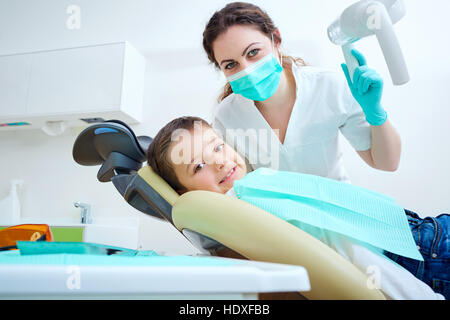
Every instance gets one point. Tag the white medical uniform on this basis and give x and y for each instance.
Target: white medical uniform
(393, 280)
(323, 108)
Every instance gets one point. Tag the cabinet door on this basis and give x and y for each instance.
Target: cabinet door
(77, 80)
(67, 234)
(14, 79)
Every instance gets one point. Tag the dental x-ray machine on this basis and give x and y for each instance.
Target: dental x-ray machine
(368, 17)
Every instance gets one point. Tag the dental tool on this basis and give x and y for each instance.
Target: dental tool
(365, 18)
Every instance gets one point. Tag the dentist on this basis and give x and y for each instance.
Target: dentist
(301, 109)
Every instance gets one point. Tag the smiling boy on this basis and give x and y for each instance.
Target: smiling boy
(191, 156)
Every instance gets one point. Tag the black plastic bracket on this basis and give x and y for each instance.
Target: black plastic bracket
(117, 163)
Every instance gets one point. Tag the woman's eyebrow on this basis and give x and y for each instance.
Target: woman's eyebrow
(243, 53)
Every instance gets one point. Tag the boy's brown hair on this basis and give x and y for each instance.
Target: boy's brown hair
(157, 153)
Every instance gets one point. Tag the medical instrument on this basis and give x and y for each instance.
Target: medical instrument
(365, 18)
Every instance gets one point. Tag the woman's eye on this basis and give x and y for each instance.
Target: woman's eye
(253, 52)
(230, 65)
(198, 167)
(220, 147)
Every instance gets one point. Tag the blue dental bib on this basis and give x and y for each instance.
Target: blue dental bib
(353, 211)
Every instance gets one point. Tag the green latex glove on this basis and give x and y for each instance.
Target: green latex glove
(367, 89)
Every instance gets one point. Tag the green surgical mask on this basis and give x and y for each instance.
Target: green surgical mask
(259, 81)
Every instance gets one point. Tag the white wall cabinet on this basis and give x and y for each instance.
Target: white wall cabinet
(14, 75)
(101, 81)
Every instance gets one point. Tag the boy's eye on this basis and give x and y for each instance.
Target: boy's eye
(220, 147)
(230, 65)
(253, 52)
(198, 167)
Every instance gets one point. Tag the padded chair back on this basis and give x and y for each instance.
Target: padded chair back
(159, 185)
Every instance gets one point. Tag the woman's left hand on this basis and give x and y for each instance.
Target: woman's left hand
(367, 89)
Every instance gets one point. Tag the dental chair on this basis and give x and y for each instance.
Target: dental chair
(216, 223)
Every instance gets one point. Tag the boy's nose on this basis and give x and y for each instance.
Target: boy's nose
(216, 160)
(219, 164)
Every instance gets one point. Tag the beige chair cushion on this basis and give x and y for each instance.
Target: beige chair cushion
(159, 184)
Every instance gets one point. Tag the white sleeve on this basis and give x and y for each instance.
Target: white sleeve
(355, 128)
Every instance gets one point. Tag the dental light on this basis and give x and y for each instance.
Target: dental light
(365, 18)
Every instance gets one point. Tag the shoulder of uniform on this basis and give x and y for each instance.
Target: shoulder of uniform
(310, 71)
(224, 105)
(322, 76)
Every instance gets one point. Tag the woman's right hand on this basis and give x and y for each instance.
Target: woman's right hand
(367, 89)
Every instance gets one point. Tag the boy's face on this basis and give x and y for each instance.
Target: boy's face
(203, 161)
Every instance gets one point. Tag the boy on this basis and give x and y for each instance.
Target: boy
(190, 156)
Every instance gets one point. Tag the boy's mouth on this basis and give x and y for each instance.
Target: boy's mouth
(229, 175)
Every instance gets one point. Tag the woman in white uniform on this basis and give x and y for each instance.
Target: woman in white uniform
(279, 113)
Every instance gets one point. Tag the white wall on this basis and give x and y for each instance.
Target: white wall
(180, 81)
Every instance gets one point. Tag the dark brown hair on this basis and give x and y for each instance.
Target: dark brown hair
(157, 153)
(241, 13)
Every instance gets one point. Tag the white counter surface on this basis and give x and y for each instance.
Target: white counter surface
(239, 280)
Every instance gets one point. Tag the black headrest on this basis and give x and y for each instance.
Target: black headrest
(95, 143)
(114, 145)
